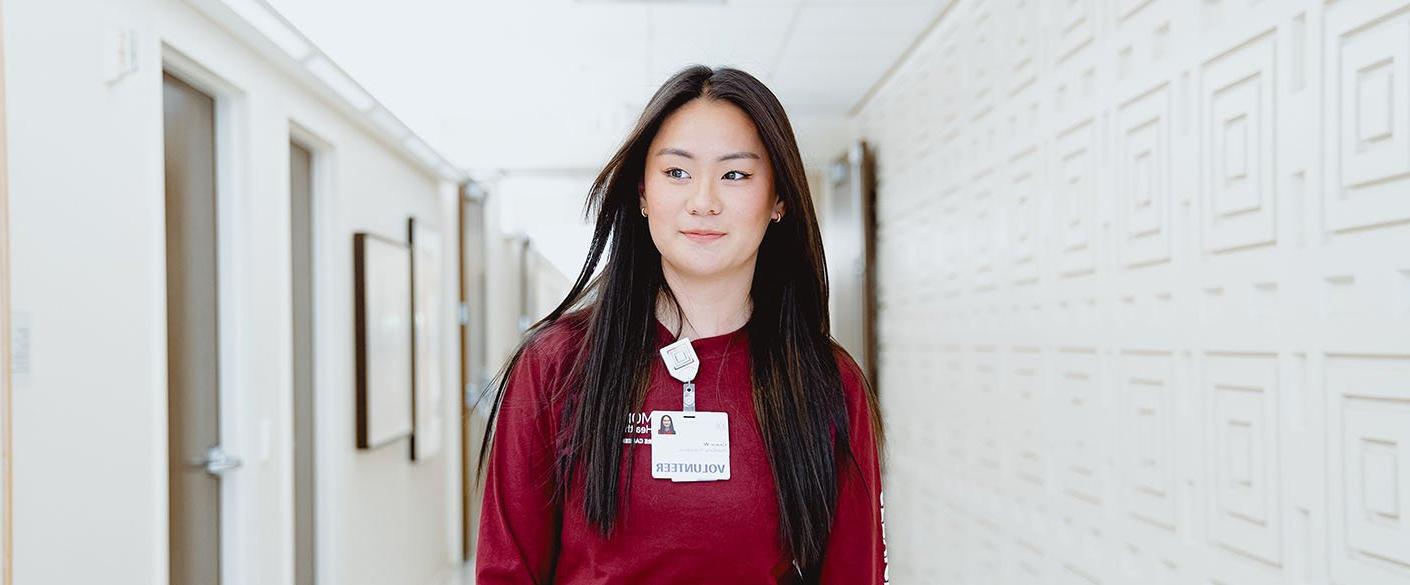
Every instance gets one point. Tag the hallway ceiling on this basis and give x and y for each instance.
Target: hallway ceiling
(553, 85)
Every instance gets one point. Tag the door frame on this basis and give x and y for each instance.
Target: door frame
(232, 242)
(473, 372)
(322, 211)
(462, 308)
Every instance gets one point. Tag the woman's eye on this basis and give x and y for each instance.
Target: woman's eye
(671, 172)
(742, 175)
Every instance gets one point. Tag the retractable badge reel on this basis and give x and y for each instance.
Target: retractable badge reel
(683, 365)
(687, 445)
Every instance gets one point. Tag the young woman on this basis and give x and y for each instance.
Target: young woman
(713, 238)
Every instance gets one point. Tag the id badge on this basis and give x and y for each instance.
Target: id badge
(689, 446)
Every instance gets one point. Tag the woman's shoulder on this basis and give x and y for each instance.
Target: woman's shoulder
(558, 340)
(540, 365)
(854, 380)
(561, 331)
(863, 408)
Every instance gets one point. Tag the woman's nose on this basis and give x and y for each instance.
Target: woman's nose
(704, 200)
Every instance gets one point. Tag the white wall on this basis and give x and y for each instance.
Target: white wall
(87, 204)
(1145, 293)
(548, 207)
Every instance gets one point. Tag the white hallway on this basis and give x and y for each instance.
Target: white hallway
(1142, 270)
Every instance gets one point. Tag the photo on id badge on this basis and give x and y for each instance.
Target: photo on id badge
(689, 446)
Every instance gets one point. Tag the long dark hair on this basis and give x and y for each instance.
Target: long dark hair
(798, 394)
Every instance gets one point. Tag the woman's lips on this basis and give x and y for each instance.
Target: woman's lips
(703, 236)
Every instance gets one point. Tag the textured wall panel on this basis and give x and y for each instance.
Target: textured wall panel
(1144, 301)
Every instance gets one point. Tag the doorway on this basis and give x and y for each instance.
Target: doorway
(196, 462)
(474, 369)
(301, 232)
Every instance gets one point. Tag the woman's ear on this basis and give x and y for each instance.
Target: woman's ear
(641, 193)
(779, 207)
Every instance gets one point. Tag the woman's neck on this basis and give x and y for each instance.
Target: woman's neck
(711, 306)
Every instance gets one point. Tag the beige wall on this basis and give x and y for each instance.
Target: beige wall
(86, 175)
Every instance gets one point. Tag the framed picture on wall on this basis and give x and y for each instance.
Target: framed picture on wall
(427, 316)
(381, 269)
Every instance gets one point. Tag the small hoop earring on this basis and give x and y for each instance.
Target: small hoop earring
(643, 212)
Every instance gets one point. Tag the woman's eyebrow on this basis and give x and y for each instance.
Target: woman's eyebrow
(730, 156)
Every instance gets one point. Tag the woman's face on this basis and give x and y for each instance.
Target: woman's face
(708, 190)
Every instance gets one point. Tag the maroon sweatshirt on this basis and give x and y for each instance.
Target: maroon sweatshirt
(667, 532)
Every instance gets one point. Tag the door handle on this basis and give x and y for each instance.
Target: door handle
(217, 462)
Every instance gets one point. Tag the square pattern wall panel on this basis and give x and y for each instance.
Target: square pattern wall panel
(1081, 444)
(1147, 467)
(1021, 225)
(1142, 164)
(982, 61)
(1127, 8)
(1370, 508)
(1076, 26)
(1030, 453)
(952, 241)
(983, 230)
(1368, 110)
(987, 414)
(1375, 453)
(1238, 174)
(1245, 516)
(1024, 39)
(1075, 170)
(1161, 333)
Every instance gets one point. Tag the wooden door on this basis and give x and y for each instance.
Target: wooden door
(193, 394)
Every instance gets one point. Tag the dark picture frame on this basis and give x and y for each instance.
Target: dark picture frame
(382, 323)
